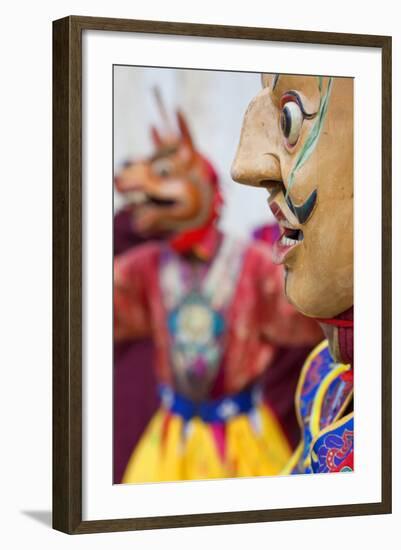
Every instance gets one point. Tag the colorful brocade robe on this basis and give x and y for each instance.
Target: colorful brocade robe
(323, 399)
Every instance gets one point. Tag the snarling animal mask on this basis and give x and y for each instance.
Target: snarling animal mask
(174, 191)
(297, 141)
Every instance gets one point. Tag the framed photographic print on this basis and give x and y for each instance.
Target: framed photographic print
(221, 274)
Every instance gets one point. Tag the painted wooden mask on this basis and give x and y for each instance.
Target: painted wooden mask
(297, 141)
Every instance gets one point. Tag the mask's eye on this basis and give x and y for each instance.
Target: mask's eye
(162, 168)
(291, 120)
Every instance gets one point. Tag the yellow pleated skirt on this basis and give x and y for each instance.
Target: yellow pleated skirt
(170, 449)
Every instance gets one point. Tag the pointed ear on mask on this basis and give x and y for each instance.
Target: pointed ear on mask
(156, 138)
(185, 134)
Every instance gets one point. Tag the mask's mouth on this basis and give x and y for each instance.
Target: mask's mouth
(140, 198)
(291, 237)
(160, 202)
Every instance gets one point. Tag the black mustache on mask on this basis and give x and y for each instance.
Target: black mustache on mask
(303, 211)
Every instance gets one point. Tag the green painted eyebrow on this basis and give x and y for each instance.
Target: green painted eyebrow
(314, 133)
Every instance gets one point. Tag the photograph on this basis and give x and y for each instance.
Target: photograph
(233, 274)
(222, 275)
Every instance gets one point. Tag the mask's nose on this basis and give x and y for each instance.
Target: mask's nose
(132, 178)
(256, 159)
(252, 168)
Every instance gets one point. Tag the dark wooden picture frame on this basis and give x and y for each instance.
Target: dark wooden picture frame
(67, 274)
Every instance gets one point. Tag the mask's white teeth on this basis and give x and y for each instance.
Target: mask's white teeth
(288, 242)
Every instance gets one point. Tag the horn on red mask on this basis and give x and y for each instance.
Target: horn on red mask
(156, 137)
(161, 107)
(185, 134)
(168, 134)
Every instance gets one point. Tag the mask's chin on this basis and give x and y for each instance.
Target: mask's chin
(296, 298)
